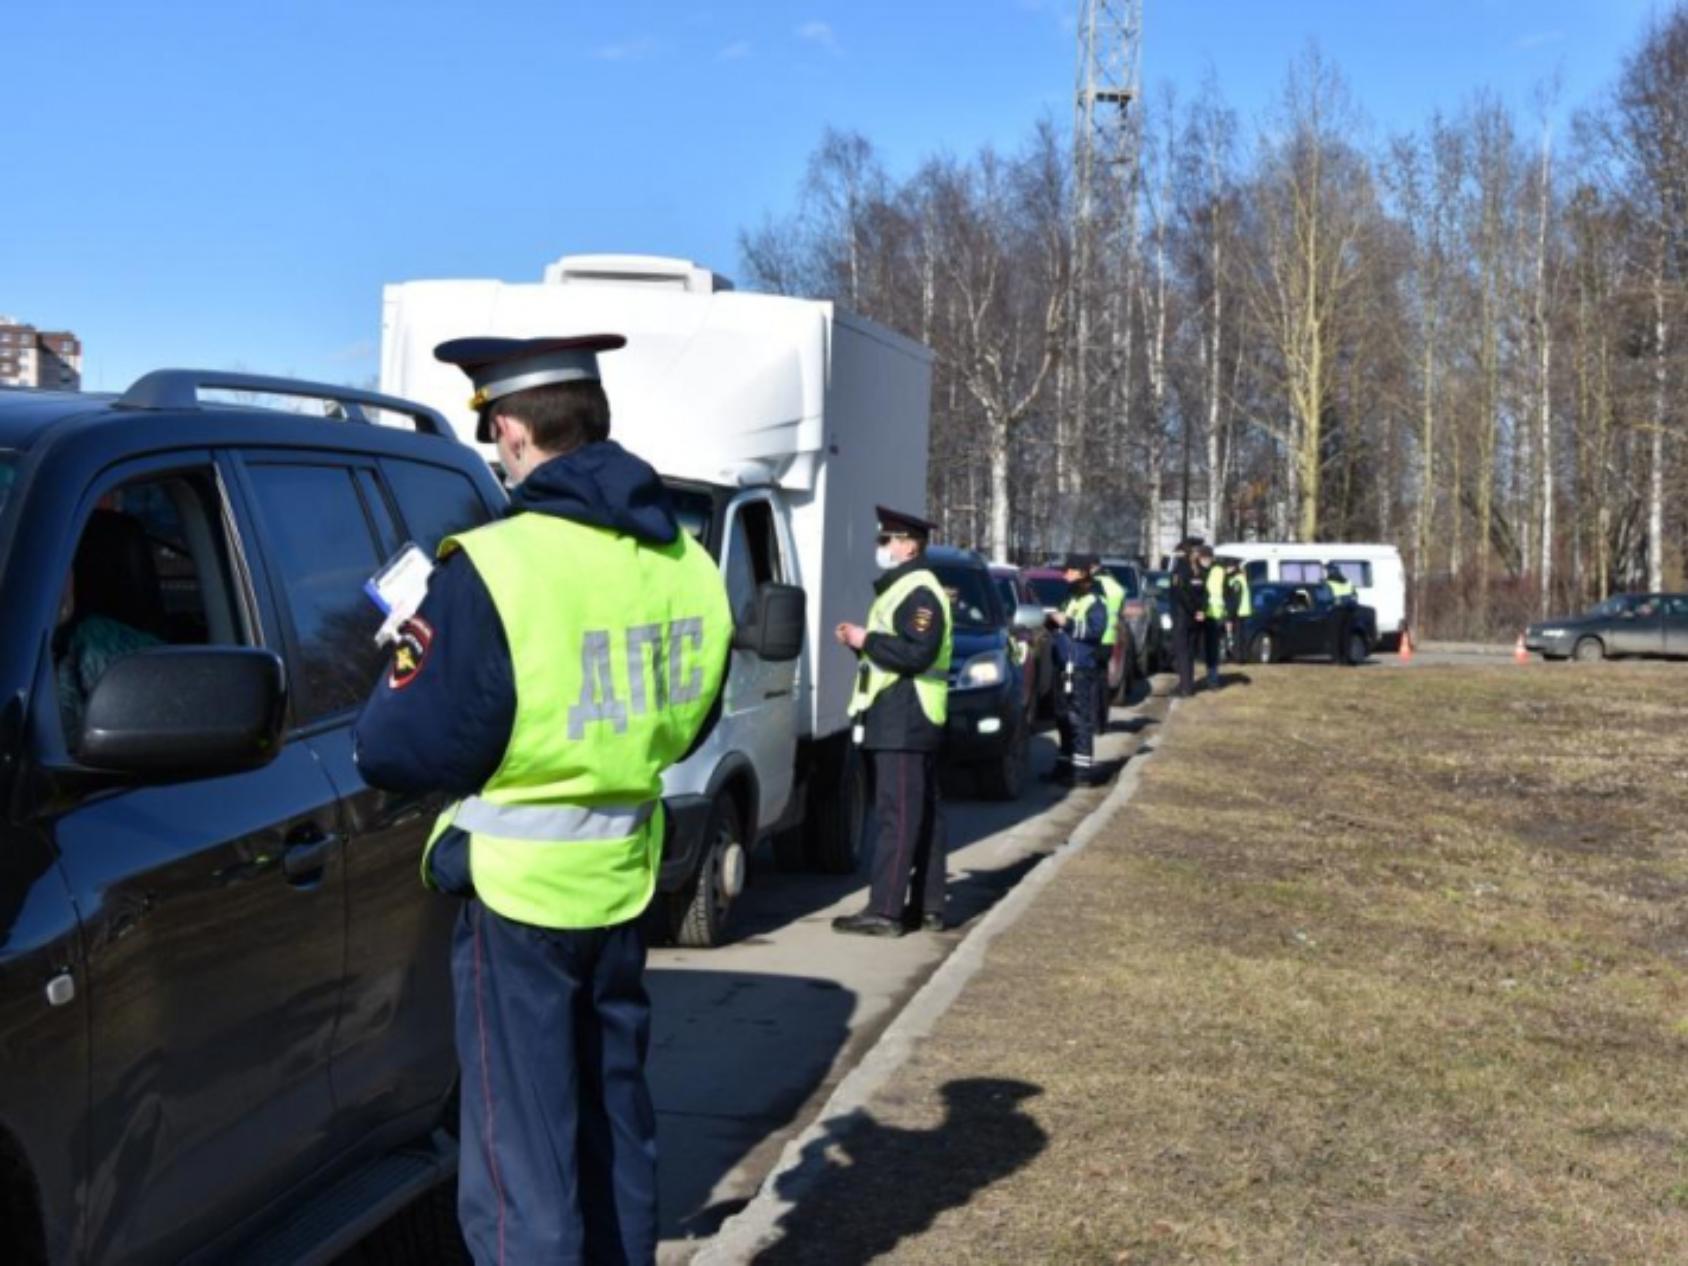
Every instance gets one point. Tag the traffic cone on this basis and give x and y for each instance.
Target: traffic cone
(1519, 654)
(1406, 651)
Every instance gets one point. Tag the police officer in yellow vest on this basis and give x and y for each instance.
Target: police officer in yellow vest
(1081, 626)
(900, 706)
(1239, 606)
(1212, 580)
(564, 656)
(1112, 594)
(1341, 589)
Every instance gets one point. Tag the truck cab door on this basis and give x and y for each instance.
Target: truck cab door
(759, 706)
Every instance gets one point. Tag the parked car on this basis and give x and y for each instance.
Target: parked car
(1139, 614)
(992, 699)
(1050, 586)
(1291, 621)
(1158, 584)
(1037, 646)
(1624, 624)
(225, 1003)
(1375, 571)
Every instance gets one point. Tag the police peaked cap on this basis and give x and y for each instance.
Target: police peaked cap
(1079, 562)
(895, 521)
(501, 367)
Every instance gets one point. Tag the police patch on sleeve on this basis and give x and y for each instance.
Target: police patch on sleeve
(923, 617)
(410, 652)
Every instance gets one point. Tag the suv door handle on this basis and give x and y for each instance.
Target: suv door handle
(305, 856)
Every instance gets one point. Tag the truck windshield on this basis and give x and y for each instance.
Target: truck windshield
(696, 511)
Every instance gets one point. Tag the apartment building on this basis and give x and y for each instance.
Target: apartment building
(39, 358)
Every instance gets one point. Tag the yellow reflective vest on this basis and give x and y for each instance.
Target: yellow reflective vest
(1113, 597)
(931, 686)
(618, 648)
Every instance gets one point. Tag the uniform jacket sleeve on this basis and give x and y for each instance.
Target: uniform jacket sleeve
(446, 725)
(919, 636)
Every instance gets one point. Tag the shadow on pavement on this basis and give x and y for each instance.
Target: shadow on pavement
(868, 1186)
(753, 1048)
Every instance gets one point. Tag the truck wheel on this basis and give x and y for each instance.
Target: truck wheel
(699, 913)
(1261, 649)
(838, 839)
(1005, 777)
(1588, 650)
(1357, 651)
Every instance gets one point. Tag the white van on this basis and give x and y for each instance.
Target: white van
(778, 424)
(1375, 571)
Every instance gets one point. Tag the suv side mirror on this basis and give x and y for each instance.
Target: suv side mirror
(1029, 617)
(774, 631)
(186, 712)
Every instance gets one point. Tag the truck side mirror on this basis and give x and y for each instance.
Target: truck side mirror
(186, 712)
(774, 631)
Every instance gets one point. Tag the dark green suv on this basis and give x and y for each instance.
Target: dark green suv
(225, 1027)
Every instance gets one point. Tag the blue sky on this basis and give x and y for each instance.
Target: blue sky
(231, 182)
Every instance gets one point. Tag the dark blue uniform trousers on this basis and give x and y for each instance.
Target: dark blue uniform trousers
(558, 1131)
(910, 841)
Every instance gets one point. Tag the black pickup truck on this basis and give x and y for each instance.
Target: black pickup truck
(225, 1010)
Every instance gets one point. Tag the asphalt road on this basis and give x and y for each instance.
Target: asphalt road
(750, 1038)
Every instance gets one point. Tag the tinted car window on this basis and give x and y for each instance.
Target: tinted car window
(8, 472)
(318, 542)
(1005, 593)
(972, 605)
(1051, 591)
(435, 502)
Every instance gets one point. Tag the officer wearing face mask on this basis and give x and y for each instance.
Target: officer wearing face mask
(900, 706)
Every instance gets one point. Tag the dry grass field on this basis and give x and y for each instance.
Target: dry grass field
(1378, 966)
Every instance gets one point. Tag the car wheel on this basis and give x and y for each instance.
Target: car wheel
(838, 844)
(1357, 649)
(700, 911)
(1005, 777)
(1589, 650)
(1261, 649)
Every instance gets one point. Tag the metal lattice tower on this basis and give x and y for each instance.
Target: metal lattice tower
(1105, 148)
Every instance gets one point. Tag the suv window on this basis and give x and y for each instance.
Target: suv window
(972, 604)
(151, 569)
(321, 548)
(434, 501)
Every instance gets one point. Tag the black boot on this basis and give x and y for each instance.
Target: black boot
(867, 924)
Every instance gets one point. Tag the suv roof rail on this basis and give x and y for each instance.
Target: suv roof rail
(180, 388)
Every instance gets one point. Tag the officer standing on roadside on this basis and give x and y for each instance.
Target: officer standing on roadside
(1213, 625)
(1239, 606)
(1112, 594)
(564, 656)
(900, 706)
(1189, 603)
(1342, 590)
(1080, 626)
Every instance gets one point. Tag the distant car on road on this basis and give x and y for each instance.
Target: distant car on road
(1624, 624)
(1291, 621)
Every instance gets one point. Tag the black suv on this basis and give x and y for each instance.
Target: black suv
(225, 1007)
(992, 699)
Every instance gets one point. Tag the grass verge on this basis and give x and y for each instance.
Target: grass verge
(1378, 966)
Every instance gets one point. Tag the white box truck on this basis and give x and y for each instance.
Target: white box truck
(778, 424)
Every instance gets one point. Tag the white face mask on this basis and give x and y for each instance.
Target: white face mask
(885, 559)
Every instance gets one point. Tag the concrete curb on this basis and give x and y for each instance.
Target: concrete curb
(756, 1226)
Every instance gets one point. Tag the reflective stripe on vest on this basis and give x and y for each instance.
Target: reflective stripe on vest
(617, 651)
(552, 824)
(930, 686)
(1245, 597)
(1077, 608)
(1113, 597)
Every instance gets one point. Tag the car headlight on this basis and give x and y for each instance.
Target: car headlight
(989, 669)
(1166, 620)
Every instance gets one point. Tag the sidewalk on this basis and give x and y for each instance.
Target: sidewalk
(1294, 1004)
